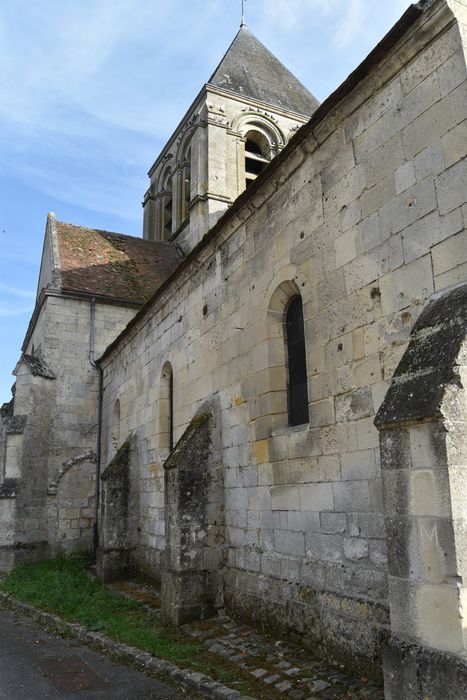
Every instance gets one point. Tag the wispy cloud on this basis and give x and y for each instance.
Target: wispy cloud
(93, 89)
(11, 311)
(352, 23)
(17, 292)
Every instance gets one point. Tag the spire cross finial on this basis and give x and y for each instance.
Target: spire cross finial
(243, 23)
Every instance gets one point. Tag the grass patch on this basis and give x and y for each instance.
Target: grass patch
(64, 587)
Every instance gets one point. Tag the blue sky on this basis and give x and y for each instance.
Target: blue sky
(91, 89)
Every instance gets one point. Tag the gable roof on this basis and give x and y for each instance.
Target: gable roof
(112, 265)
(250, 69)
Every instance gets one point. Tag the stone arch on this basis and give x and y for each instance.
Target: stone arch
(183, 194)
(184, 145)
(260, 141)
(166, 186)
(246, 122)
(272, 373)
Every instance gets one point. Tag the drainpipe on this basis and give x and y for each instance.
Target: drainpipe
(92, 342)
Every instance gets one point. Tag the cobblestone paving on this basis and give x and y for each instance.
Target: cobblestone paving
(284, 667)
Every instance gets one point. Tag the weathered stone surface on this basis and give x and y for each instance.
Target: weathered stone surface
(429, 364)
(114, 552)
(192, 576)
(363, 218)
(414, 673)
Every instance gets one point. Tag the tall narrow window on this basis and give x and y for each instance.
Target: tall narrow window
(166, 409)
(167, 208)
(297, 379)
(186, 186)
(256, 151)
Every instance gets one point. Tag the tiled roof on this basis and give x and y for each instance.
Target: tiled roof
(111, 264)
(249, 68)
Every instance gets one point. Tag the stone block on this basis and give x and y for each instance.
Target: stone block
(333, 523)
(289, 542)
(298, 521)
(321, 412)
(452, 73)
(449, 279)
(455, 144)
(347, 247)
(285, 498)
(427, 232)
(329, 468)
(357, 580)
(358, 465)
(352, 496)
(404, 177)
(369, 525)
(367, 434)
(271, 564)
(354, 405)
(427, 446)
(355, 548)
(295, 471)
(412, 105)
(413, 671)
(430, 60)
(384, 161)
(435, 122)
(406, 208)
(450, 253)
(324, 547)
(378, 553)
(337, 438)
(407, 286)
(377, 196)
(316, 497)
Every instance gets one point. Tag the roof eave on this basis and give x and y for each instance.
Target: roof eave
(408, 19)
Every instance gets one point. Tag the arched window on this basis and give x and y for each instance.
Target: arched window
(297, 384)
(257, 155)
(167, 206)
(186, 186)
(166, 411)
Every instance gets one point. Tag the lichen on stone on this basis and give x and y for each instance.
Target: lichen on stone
(194, 443)
(119, 466)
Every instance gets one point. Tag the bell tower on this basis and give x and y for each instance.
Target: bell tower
(243, 117)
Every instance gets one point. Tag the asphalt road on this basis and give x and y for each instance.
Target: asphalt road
(37, 665)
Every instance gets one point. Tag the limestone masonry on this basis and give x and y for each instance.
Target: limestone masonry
(262, 402)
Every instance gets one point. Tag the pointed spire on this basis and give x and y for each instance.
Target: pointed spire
(243, 22)
(249, 69)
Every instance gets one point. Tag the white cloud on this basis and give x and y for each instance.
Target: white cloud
(352, 23)
(11, 311)
(17, 292)
(90, 91)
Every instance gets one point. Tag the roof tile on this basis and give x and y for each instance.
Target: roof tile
(250, 69)
(112, 264)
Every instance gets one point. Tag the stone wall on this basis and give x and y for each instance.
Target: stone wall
(192, 578)
(55, 504)
(365, 219)
(214, 129)
(423, 424)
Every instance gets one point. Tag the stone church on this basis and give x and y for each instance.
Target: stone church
(262, 401)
